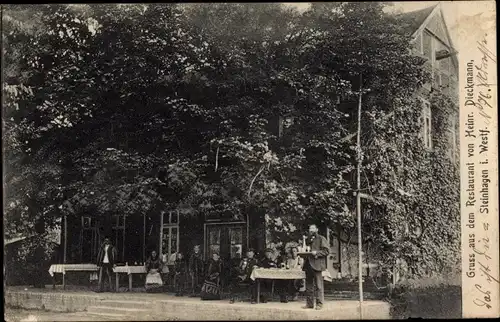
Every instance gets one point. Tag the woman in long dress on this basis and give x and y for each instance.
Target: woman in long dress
(154, 267)
(211, 287)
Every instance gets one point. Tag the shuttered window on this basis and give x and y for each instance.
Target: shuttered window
(452, 131)
(427, 45)
(427, 124)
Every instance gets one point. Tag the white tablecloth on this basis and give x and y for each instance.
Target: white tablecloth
(130, 269)
(63, 268)
(284, 274)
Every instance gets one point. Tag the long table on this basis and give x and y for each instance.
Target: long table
(129, 270)
(273, 274)
(64, 268)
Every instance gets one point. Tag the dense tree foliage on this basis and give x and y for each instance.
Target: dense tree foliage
(236, 108)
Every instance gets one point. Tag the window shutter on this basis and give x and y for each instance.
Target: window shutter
(452, 134)
(273, 125)
(421, 119)
(426, 123)
(281, 120)
(427, 45)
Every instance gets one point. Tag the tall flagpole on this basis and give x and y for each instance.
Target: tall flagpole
(358, 202)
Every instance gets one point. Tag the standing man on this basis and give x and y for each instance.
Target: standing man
(314, 264)
(106, 261)
(196, 269)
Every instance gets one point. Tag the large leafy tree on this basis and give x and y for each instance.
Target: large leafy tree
(270, 73)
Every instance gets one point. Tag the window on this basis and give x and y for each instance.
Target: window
(445, 63)
(427, 45)
(87, 222)
(436, 46)
(439, 68)
(89, 240)
(427, 120)
(169, 237)
(453, 138)
(236, 238)
(214, 241)
(285, 122)
(418, 47)
(442, 64)
(445, 80)
(436, 82)
(226, 239)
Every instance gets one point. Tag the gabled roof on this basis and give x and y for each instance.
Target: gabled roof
(416, 21)
(416, 18)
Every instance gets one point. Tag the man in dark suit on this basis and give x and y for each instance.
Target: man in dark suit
(267, 262)
(241, 274)
(106, 261)
(196, 268)
(314, 264)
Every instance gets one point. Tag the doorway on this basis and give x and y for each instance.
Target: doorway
(227, 239)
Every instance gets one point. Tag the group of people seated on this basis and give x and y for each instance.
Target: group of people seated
(194, 277)
(287, 289)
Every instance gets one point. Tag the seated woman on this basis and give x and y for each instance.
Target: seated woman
(154, 266)
(181, 273)
(211, 287)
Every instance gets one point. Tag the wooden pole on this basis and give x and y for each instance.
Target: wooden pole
(160, 246)
(124, 234)
(358, 202)
(247, 246)
(65, 238)
(144, 239)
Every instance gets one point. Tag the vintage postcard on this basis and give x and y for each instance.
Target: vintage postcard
(250, 161)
